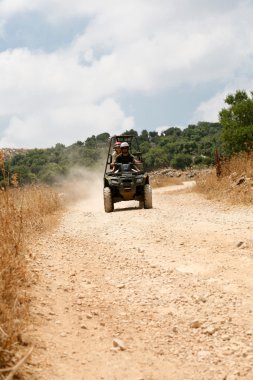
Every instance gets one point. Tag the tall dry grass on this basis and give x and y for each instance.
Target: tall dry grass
(234, 185)
(23, 212)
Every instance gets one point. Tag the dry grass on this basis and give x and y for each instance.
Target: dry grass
(162, 181)
(24, 212)
(235, 185)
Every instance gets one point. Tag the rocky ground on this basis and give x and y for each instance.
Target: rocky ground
(157, 294)
(175, 173)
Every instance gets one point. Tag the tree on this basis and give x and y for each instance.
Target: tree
(180, 148)
(103, 137)
(155, 157)
(144, 136)
(172, 131)
(91, 142)
(59, 146)
(50, 173)
(130, 132)
(237, 122)
(181, 161)
(144, 147)
(153, 134)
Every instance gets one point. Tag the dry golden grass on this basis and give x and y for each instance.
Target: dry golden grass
(24, 212)
(234, 185)
(162, 181)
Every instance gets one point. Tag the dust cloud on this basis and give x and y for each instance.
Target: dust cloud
(84, 186)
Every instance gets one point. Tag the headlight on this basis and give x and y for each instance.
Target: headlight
(114, 181)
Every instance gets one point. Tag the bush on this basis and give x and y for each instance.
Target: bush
(203, 161)
(181, 161)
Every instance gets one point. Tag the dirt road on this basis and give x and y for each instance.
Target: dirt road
(139, 294)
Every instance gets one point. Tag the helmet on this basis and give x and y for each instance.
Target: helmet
(117, 144)
(124, 145)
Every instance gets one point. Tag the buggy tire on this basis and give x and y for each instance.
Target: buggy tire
(147, 196)
(141, 204)
(108, 203)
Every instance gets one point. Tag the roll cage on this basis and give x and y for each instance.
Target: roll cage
(134, 149)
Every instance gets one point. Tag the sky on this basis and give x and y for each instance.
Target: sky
(73, 69)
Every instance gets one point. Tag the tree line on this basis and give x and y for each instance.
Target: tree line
(193, 146)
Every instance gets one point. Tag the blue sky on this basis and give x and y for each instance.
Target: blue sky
(31, 30)
(72, 69)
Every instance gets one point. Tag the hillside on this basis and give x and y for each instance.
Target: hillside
(9, 153)
(179, 149)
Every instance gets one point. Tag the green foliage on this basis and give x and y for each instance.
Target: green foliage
(91, 142)
(103, 138)
(175, 147)
(144, 136)
(155, 157)
(181, 148)
(130, 132)
(181, 161)
(237, 122)
(49, 165)
(173, 131)
(51, 172)
(203, 161)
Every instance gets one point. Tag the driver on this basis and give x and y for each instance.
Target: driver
(125, 157)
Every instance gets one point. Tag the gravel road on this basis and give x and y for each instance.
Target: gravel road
(138, 294)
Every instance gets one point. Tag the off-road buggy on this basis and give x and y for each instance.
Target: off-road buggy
(127, 181)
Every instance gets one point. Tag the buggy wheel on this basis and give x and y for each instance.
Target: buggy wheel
(108, 203)
(147, 196)
(141, 204)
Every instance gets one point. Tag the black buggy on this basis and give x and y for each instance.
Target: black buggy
(128, 181)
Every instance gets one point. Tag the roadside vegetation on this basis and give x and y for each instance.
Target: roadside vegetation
(234, 185)
(193, 146)
(233, 178)
(25, 211)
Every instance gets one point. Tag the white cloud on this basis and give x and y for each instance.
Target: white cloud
(65, 125)
(209, 110)
(51, 98)
(138, 46)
